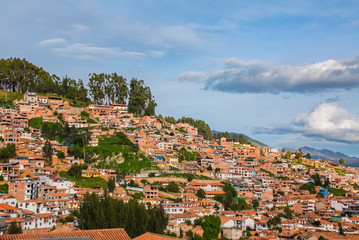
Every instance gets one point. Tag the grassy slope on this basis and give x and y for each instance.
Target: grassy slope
(11, 96)
(113, 145)
(35, 122)
(93, 182)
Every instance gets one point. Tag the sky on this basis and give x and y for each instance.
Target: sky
(283, 72)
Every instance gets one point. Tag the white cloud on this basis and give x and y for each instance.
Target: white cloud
(330, 121)
(259, 77)
(86, 51)
(53, 41)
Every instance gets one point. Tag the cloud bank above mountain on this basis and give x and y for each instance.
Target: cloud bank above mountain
(240, 76)
(328, 121)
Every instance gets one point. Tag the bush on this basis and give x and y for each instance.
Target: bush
(4, 188)
(172, 187)
(14, 228)
(60, 154)
(84, 113)
(35, 122)
(8, 152)
(75, 170)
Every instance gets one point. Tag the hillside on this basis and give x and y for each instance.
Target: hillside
(248, 139)
(6, 98)
(328, 155)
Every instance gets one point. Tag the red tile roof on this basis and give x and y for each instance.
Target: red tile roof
(99, 234)
(154, 236)
(7, 206)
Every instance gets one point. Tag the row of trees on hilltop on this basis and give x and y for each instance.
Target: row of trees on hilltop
(107, 212)
(235, 137)
(19, 75)
(202, 126)
(108, 88)
(112, 88)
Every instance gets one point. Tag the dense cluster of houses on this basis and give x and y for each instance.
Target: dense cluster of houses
(38, 198)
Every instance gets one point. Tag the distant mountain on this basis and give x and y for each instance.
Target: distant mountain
(329, 155)
(248, 139)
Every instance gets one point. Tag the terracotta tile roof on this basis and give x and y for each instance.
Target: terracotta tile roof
(13, 220)
(154, 236)
(214, 192)
(43, 215)
(7, 196)
(7, 206)
(60, 194)
(100, 234)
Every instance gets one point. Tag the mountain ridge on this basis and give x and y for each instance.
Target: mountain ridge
(328, 155)
(248, 139)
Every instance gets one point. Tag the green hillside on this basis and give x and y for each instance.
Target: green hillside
(7, 98)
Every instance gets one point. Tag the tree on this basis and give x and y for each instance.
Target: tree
(321, 238)
(100, 212)
(120, 89)
(307, 156)
(255, 203)
(47, 152)
(240, 204)
(144, 181)
(342, 161)
(261, 152)
(287, 155)
(326, 183)
(288, 213)
(75, 170)
(320, 195)
(60, 154)
(8, 152)
(111, 185)
(211, 227)
(201, 193)
(172, 187)
(274, 222)
(217, 170)
(190, 178)
(298, 154)
(317, 180)
(209, 168)
(203, 127)
(140, 100)
(341, 230)
(14, 228)
(97, 87)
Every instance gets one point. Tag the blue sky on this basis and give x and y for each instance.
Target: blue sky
(283, 72)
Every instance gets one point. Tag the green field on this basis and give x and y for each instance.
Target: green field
(35, 122)
(337, 191)
(119, 144)
(92, 182)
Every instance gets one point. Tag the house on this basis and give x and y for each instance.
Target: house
(98, 234)
(154, 236)
(150, 191)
